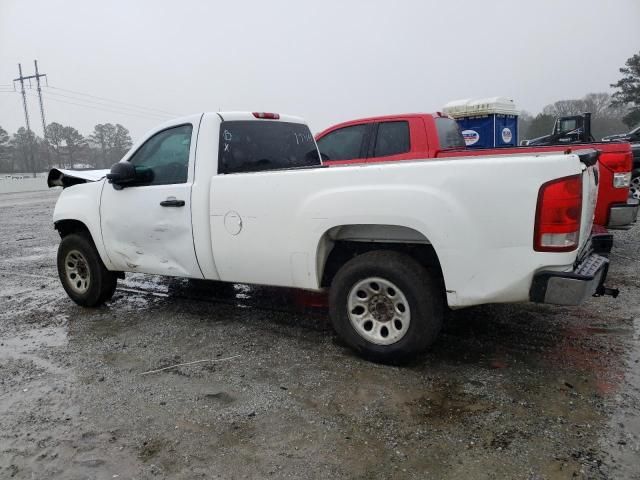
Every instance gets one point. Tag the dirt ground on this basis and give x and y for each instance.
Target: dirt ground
(509, 391)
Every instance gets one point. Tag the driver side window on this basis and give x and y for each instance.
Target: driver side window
(164, 158)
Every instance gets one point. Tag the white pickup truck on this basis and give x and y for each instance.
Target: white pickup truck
(243, 198)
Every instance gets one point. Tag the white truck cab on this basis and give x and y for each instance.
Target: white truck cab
(243, 197)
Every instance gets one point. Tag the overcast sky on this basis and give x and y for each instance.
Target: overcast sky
(328, 61)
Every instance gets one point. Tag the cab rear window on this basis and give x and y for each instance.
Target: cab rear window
(449, 134)
(255, 146)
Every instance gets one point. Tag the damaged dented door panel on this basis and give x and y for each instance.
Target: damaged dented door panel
(146, 226)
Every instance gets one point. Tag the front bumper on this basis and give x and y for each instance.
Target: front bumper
(571, 288)
(623, 215)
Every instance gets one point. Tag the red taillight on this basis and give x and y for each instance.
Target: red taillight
(620, 165)
(617, 162)
(558, 213)
(267, 115)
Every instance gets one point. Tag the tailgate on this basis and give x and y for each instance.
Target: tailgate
(590, 178)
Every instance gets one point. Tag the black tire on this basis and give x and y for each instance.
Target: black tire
(635, 184)
(101, 284)
(423, 294)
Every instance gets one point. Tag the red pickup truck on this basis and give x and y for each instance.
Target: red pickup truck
(434, 135)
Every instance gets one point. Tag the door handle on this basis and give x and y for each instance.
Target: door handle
(172, 202)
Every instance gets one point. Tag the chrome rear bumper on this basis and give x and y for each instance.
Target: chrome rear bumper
(623, 215)
(572, 288)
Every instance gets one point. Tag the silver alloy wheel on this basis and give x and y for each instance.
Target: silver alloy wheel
(634, 189)
(76, 269)
(378, 311)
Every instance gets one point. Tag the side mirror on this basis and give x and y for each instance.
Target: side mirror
(122, 174)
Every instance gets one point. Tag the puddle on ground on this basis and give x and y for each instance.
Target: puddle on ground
(28, 344)
(53, 336)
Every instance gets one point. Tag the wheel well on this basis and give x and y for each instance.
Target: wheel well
(343, 251)
(66, 227)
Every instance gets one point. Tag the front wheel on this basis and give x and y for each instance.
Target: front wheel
(82, 273)
(386, 306)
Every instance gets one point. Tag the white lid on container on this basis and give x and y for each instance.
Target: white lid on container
(456, 107)
(482, 106)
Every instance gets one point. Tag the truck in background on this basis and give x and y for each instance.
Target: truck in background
(435, 135)
(633, 137)
(635, 174)
(566, 130)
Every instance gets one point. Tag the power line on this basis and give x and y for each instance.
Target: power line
(113, 101)
(100, 104)
(108, 108)
(94, 107)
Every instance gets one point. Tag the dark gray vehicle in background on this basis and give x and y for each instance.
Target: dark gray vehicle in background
(632, 136)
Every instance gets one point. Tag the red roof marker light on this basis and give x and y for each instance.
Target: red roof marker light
(267, 115)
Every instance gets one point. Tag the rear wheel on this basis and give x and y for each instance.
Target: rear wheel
(82, 273)
(386, 306)
(634, 188)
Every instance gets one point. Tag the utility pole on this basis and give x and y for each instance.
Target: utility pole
(44, 123)
(37, 75)
(21, 79)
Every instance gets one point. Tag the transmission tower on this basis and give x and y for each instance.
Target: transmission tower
(37, 75)
(21, 79)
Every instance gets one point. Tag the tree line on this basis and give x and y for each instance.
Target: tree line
(62, 147)
(65, 147)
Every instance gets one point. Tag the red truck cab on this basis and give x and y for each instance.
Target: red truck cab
(421, 136)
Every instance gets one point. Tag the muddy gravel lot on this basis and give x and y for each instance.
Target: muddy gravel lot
(508, 391)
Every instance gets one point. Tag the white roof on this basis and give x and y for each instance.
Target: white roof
(482, 106)
(230, 116)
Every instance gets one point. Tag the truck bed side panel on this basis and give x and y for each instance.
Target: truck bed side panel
(607, 194)
(479, 217)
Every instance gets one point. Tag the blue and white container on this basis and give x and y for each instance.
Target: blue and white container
(486, 122)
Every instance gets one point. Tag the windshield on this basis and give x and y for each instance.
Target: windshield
(254, 146)
(567, 125)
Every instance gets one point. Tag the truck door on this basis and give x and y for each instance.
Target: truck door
(391, 141)
(146, 227)
(346, 144)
